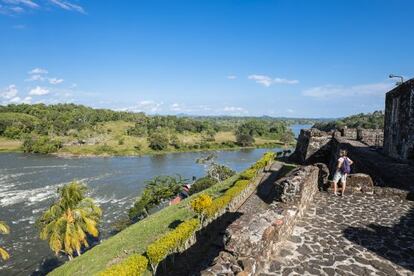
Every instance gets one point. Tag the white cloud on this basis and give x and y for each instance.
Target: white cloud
(231, 77)
(66, 5)
(261, 79)
(268, 81)
(55, 81)
(328, 91)
(289, 110)
(35, 78)
(235, 110)
(39, 91)
(146, 106)
(175, 107)
(9, 93)
(38, 71)
(27, 3)
(285, 81)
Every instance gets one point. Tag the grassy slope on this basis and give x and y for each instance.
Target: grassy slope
(133, 239)
(9, 145)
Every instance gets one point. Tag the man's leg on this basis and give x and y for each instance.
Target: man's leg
(335, 183)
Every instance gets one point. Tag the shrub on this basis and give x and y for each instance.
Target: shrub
(171, 242)
(217, 205)
(248, 174)
(105, 148)
(156, 191)
(134, 265)
(42, 144)
(244, 139)
(158, 141)
(202, 184)
(13, 132)
(200, 204)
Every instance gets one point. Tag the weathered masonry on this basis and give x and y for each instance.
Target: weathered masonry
(399, 122)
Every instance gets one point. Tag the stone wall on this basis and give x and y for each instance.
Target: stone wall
(248, 242)
(350, 133)
(371, 137)
(399, 122)
(312, 146)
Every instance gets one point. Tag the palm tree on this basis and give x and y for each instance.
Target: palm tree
(4, 229)
(70, 220)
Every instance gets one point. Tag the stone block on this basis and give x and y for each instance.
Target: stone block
(357, 183)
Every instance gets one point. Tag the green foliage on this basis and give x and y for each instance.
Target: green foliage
(15, 125)
(260, 128)
(68, 221)
(373, 120)
(156, 190)
(41, 144)
(158, 141)
(171, 242)
(248, 174)
(202, 184)
(134, 265)
(214, 170)
(175, 142)
(244, 139)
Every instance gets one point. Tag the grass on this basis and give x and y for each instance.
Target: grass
(9, 145)
(135, 238)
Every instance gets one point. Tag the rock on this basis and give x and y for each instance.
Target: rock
(323, 182)
(313, 146)
(248, 265)
(360, 183)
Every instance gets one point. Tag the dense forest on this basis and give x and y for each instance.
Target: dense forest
(373, 120)
(79, 129)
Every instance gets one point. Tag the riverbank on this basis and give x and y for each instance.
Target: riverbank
(85, 151)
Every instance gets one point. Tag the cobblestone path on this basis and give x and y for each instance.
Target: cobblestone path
(353, 235)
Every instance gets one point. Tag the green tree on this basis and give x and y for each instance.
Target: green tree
(157, 190)
(158, 141)
(244, 139)
(70, 220)
(4, 229)
(214, 170)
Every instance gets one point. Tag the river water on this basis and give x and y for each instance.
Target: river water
(28, 185)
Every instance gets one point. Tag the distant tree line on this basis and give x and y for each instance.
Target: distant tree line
(40, 126)
(374, 120)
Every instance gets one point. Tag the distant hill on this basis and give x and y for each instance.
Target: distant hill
(374, 120)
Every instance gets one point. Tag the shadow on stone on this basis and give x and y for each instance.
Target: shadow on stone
(210, 241)
(393, 243)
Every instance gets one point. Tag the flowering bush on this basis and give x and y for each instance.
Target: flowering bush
(171, 242)
(200, 204)
(134, 265)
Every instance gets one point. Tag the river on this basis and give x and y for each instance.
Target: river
(28, 185)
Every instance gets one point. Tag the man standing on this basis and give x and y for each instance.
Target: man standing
(343, 168)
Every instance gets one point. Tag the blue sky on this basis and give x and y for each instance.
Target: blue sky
(217, 57)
